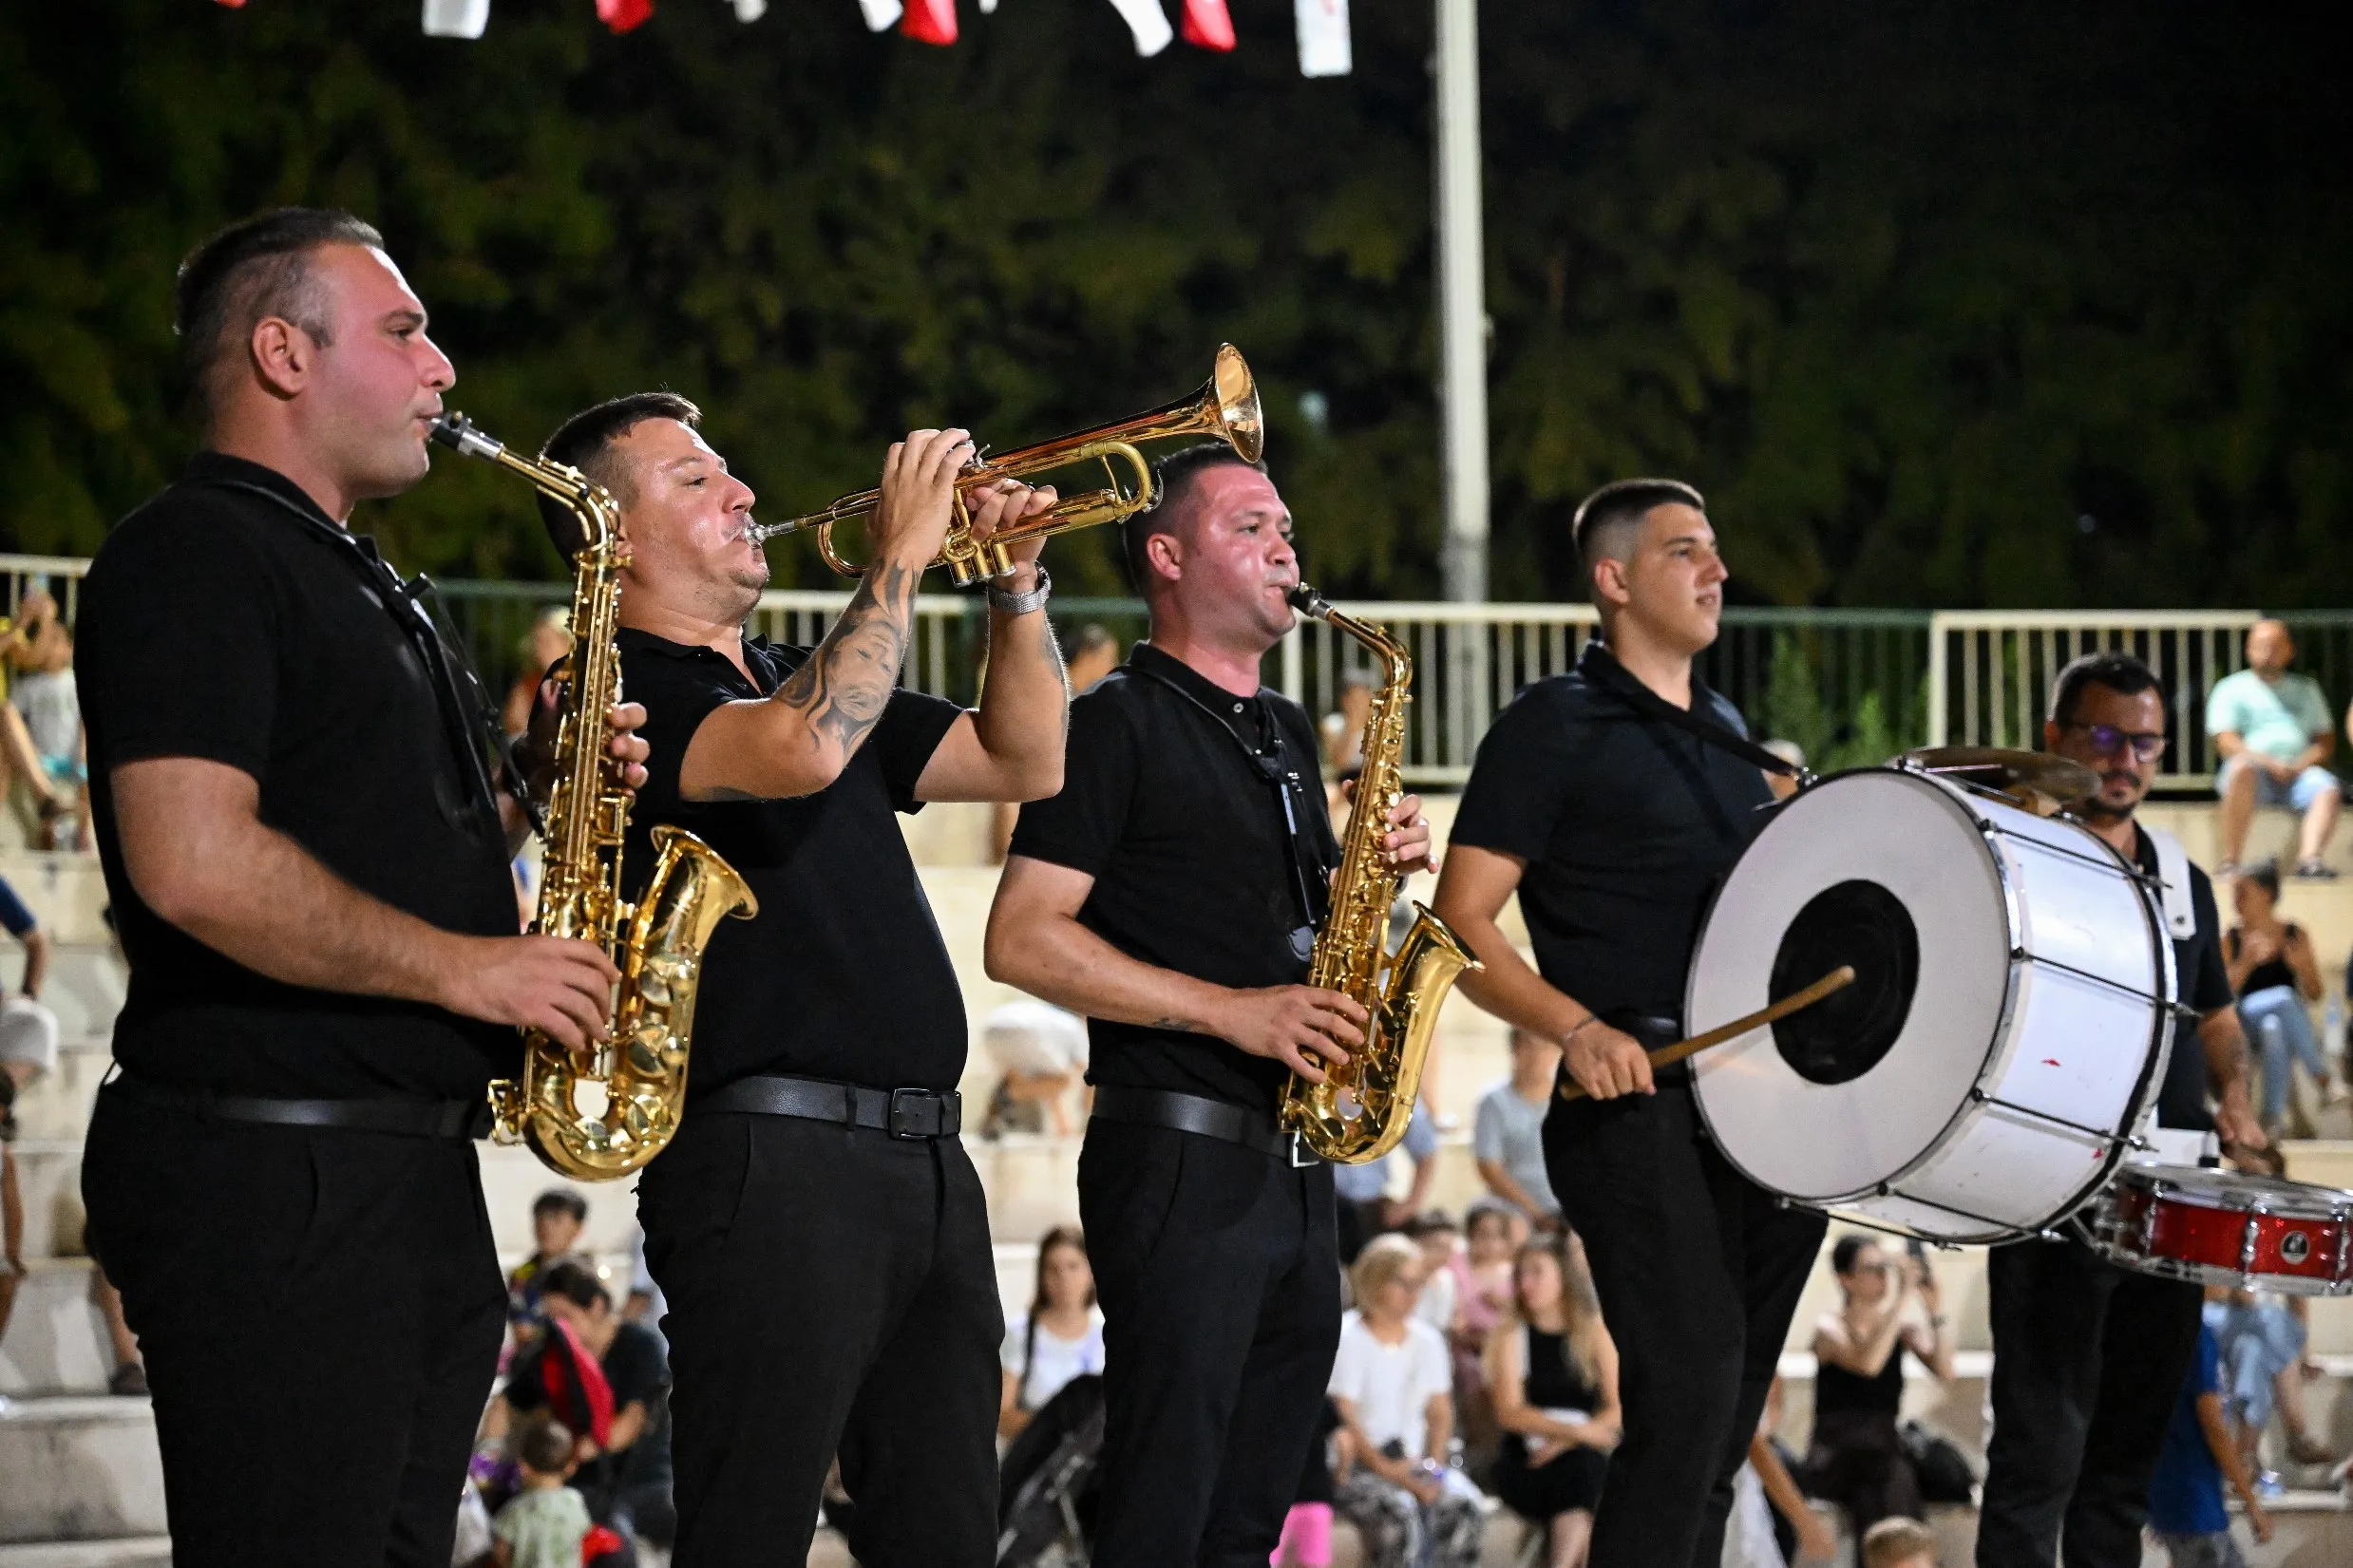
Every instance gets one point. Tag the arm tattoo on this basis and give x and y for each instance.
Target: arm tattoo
(847, 683)
(1178, 1026)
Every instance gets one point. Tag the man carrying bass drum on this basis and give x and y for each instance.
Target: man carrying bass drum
(1612, 798)
(2089, 1357)
(1170, 894)
(816, 1226)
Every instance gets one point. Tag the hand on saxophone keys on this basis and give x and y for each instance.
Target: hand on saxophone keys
(624, 747)
(559, 985)
(1409, 838)
(1294, 1024)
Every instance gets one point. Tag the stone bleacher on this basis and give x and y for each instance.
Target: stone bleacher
(80, 1486)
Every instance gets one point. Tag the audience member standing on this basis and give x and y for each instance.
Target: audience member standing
(2273, 731)
(1554, 1374)
(1393, 1390)
(1857, 1458)
(2275, 971)
(1507, 1135)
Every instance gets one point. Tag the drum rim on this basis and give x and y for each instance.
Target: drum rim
(1962, 798)
(2098, 1231)
(2168, 1183)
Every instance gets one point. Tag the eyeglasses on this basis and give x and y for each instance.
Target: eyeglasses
(2107, 740)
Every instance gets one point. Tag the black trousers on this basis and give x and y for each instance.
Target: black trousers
(1220, 1285)
(320, 1312)
(2089, 1360)
(1697, 1269)
(832, 1292)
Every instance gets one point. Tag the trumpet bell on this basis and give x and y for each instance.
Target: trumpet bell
(1235, 392)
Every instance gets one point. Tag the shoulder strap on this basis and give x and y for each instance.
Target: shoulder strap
(1652, 705)
(2181, 914)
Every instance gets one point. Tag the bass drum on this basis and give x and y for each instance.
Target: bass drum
(2007, 1028)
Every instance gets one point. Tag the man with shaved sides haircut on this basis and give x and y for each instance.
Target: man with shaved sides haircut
(816, 1226)
(1170, 894)
(1611, 800)
(305, 832)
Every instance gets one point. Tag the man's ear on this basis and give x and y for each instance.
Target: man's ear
(1609, 582)
(282, 356)
(1166, 556)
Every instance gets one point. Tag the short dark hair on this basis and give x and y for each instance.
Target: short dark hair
(1092, 636)
(1173, 478)
(561, 1201)
(1848, 1248)
(1607, 517)
(585, 442)
(544, 1446)
(576, 1281)
(2265, 874)
(251, 270)
(2119, 672)
(1432, 1223)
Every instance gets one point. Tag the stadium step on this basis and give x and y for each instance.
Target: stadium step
(57, 1108)
(125, 1551)
(79, 1470)
(56, 1340)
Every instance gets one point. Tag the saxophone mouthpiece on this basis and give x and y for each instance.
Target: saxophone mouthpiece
(1308, 602)
(455, 431)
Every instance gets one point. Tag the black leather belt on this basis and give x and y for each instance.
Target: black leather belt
(1203, 1116)
(459, 1120)
(902, 1113)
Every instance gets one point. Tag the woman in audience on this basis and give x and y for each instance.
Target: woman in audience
(1554, 1376)
(1394, 1390)
(1857, 1460)
(1483, 1275)
(2275, 972)
(1059, 1338)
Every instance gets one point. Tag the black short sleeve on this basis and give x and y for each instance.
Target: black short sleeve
(1081, 826)
(669, 728)
(1519, 781)
(176, 652)
(2211, 990)
(635, 1366)
(913, 726)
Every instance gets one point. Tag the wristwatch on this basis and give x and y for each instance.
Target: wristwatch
(1021, 604)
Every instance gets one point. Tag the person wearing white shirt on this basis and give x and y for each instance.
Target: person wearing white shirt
(1059, 1339)
(1393, 1385)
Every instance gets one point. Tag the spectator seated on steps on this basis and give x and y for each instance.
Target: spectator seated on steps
(2274, 733)
(1554, 1372)
(42, 693)
(2275, 972)
(1506, 1133)
(1898, 1544)
(1059, 1339)
(1041, 1050)
(1888, 1306)
(545, 1523)
(557, 1218)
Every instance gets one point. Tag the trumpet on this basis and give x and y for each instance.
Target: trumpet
(1227, 407)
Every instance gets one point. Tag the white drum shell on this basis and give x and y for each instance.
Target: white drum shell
(2037, 1036)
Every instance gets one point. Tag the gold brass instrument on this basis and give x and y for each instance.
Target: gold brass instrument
(1226, 407)
(658, 943)
(1359, 1111)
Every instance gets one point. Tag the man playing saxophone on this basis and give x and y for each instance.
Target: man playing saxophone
(819, 1233)
(1170, 894)
(308, 865)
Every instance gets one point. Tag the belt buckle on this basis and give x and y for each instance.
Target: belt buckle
(908, 1118)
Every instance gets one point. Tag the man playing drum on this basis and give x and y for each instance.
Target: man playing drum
(2088, 1357)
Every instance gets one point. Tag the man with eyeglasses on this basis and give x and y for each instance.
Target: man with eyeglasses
(2088, 1357)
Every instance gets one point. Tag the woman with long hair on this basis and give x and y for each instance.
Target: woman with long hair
(1553, 1373)
(2276, 975)
(1060, 1337)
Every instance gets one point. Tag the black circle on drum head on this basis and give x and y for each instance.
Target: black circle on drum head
(1844, 1036)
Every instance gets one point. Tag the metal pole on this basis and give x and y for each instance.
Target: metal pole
(1462, 300)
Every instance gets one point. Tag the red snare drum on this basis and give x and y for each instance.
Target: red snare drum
(2218, 1227)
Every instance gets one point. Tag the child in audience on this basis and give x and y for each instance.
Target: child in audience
(543, 1525)
(2185, 1496)
(1899, 1543)
(1440, 1240)
(557, 1218)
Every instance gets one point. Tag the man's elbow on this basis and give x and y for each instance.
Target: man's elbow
(1039, 778)
(177, 890)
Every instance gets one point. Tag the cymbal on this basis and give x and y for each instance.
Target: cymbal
(2009, 772)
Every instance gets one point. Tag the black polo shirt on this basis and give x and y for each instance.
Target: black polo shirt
(2202, 981)
(1626, 825)
(842, 975)
(1186, 839)
(218, 624)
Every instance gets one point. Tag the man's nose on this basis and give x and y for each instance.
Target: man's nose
(742, 497)
(440, 375)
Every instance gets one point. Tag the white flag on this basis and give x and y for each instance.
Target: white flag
(1148, 22)
(881, 16)
(1323, 37)
(750, 11)
(456, 18)
(988, 8)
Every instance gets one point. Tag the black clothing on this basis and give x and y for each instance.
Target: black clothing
(2089, 1360)
(1571, 1479)
(1836, 1389)
(637, 1370)
(2264, 977)
(842, 975)
(2202, 982)
(321, 1304)
(1315, 1479)
(215, 624)
(1625, 822)
(1698, 1271)
(831, 1290)
(1221, 1317)
(902, 1113)
(1192, 864)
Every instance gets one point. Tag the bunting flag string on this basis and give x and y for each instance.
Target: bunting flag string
(1324, 48)
(930, 21)
(1208, 24)
(456, 18)
(623, 15)
(881, 16)
(1148, 22)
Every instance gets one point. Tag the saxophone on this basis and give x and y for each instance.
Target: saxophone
(1359, 1111)
(639, 1071)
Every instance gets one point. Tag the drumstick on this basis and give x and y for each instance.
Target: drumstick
(1838, 979)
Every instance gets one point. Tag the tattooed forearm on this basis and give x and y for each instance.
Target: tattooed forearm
(847, 682)
(1177, 1026)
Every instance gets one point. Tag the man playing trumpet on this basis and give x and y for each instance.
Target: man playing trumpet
(819, 1233)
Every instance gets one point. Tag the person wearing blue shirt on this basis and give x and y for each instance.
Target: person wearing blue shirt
(2185, 1496)
(1365, 1210)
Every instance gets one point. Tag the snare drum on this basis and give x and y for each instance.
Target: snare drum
(2008, 1025)
(2215, 1227)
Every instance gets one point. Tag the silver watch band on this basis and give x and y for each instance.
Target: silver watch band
(1021, 604)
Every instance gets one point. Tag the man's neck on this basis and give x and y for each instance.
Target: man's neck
(598, 1336)
(1667, 670)
(2121, 832)
(282, 450)
(1535, 1083)
(1228, 667)
(685, 624)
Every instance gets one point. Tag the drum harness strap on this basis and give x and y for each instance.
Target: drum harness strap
(2173, 872)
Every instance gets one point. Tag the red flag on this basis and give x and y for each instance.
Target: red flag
(930, 21)
(1207, 26)
(234, 5)
(621, 15)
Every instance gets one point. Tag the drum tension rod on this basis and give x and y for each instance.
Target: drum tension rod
(2019, 956)
(2094, 1134)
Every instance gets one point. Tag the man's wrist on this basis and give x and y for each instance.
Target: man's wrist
(1009, 596)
